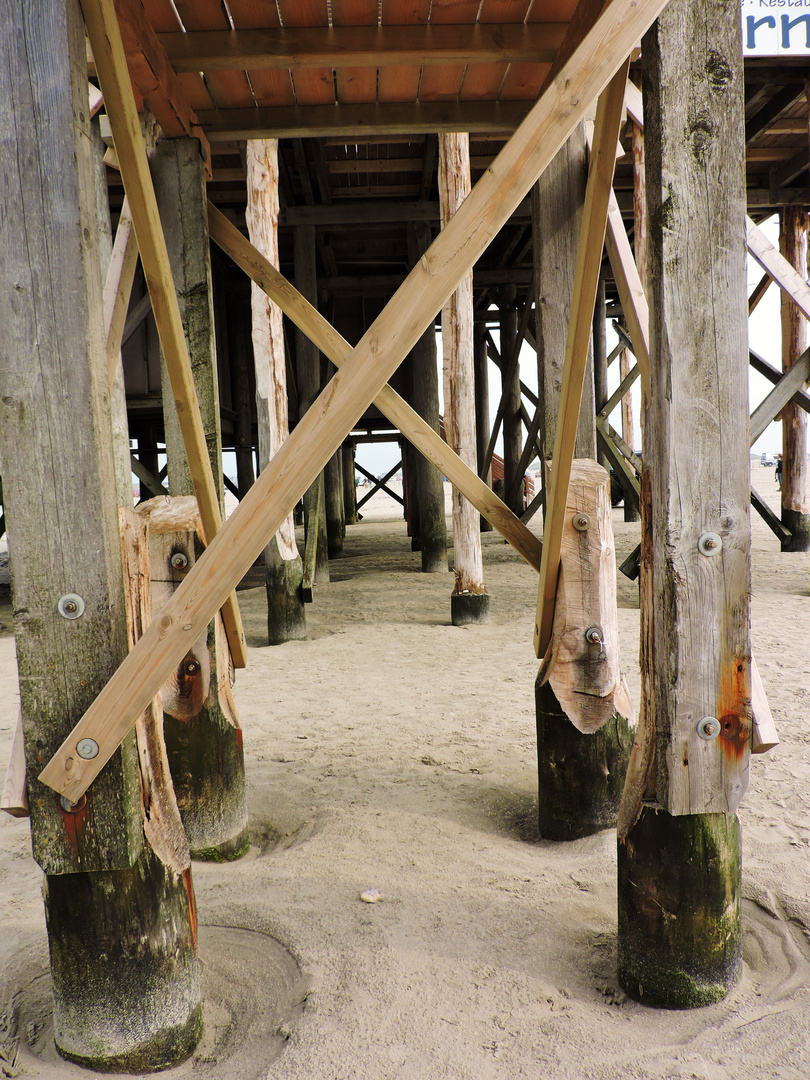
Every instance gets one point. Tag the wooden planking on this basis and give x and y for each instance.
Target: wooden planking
(14, 799)
(102, 29)
(589, 259)
(589, 62)
(227, 88)
(355, 83)
(270, 87)
(630, 289)
(401, 83)
(165, 20)
(390, 404)
(313, 85)
(765, 736)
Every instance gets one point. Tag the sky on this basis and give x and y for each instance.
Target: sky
(764, 333)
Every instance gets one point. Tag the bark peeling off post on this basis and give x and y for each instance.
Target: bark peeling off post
(284, 570)
(470, 600)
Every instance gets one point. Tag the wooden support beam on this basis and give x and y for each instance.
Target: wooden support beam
(619, 392)
(379, 484)
(118, 288)
(589, 259)
(313, 528)
(609, 441)
(108, 51)
(390, 404)
(349, 119)
(781, 101)
(780, 531)
(153, 75)
(587, 61)
(773, 375)
(760, 289)
(293, 48)
(791, 282)
(794, 379)
(147, 477)
(136, 317)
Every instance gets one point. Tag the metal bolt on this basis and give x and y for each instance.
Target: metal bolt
(710, 543)
(191, 668)
(581, 522)
(593, 635)
(73, 807)
(70, 606)
(87, 748)
(708, 728)
(179, 560)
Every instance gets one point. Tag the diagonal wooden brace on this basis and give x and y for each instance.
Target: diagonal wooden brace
(594, 49)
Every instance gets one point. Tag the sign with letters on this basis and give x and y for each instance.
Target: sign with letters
(776, 27)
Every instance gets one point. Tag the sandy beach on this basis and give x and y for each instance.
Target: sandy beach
(393, 751)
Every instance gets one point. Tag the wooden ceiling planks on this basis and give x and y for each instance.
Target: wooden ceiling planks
(401, 82)
(355, 84)
(164, 19)
(228, 89)
(269, 87)
(313, 86)
(523, 82)
(482, 82)
(444, 83)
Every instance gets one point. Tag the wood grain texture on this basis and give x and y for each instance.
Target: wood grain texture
(698, 661)
(578, 343)
(55, 430)
(14, 799)
(105, 38)
(382, 348)
(774, 263)
(161, 818)
(331, 344)
(585, 676)
(765, 736)
(793, 248)
(459, 371)
(118, 288)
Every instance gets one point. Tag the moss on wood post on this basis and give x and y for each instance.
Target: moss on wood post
(121, 924)
(284, 568)
(795, 509)
(679, 837)
(432, 527)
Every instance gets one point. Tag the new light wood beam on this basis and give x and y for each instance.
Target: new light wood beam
(292, 48)
(589, 58)
(337, 349)
(118, 287)
(778, 267)
(108, 51)
(152, 72)
(589, 259)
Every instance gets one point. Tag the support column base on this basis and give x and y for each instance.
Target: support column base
(580, 777)
(286, 611)
(799, 525)
(126, 986)
(468, 608)
(680, 936)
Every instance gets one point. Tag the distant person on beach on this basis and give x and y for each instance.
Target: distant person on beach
(777, 474)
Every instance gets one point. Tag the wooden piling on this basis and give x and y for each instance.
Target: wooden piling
(482, 431)
(284, 569)
(679, 839)
(795, 514)
(121, 924)
(512, 424)
(469, 602)
(425, 401)
(349, 485)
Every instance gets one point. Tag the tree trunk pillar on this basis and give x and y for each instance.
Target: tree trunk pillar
(425, 401)
(121, 924)
(679, 837)
(795, 509)
(284, 568)
(469, 602)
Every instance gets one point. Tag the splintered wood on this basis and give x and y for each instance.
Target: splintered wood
(161, 817)
(582, 661)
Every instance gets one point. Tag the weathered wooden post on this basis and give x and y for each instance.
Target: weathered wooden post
(469, 601)
(512, 425)
(349, 485)
(679, 836)
(481, 361)
(795, 509)
(240, 355)
(335, 513)
(308, 368)
(631, 513)
(425, 400)
(121, 923)
(557, 200)
(600, 379)
(284, 569)
(596, 762)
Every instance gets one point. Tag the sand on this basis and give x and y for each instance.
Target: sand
(392, 751)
